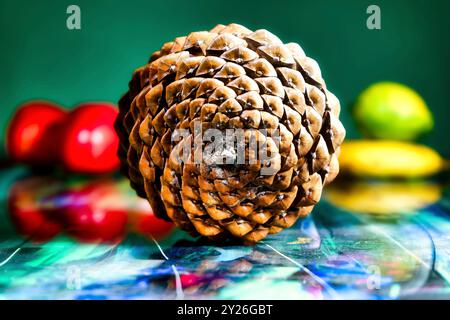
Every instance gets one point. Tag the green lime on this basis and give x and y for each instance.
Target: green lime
(388, 110)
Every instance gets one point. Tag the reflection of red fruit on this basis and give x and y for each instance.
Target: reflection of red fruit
(83, 216)
(34, 224)
(144, 221)
(89, 224)
(90, 141)
(30, 220)
(190, 279)
(29, 138)
(148, 224)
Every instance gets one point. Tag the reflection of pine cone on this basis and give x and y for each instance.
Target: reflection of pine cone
(230, 77)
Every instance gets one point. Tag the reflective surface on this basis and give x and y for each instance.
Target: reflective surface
(94, 239)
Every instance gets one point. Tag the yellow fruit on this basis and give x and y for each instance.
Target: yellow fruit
(388, 110)
(384, 159)
(384, 198)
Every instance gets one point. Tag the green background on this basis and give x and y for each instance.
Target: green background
(41, 58)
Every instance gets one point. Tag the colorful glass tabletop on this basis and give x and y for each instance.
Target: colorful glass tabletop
(365, 240)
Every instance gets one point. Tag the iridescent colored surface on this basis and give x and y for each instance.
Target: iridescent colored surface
(337, 254)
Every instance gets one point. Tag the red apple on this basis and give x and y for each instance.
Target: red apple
(29, 138)
(89, 140)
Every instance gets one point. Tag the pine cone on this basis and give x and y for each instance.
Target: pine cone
(230, 78)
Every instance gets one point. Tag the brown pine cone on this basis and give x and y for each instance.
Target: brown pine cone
(230, 78)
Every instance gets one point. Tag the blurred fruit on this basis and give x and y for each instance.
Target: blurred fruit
(191, 279)
(28, 217)
(100, 210)
(388, 110)
(149, 225)
(90, 142)
(29, 137)
(34, 224)
(141, 218)
(84, 217)
(384, 198)
(82, 141)
(384, 159)
(90, 224)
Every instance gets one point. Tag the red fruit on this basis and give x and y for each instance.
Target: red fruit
(29, 137)
(90, 142)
